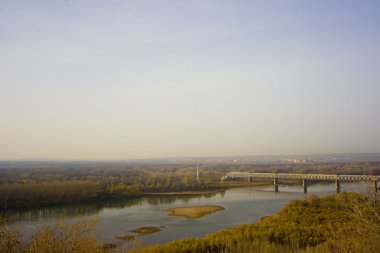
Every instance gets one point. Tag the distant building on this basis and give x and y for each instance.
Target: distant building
(300, 161)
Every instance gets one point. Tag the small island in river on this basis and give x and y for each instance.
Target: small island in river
(194, 211)
(146, 230)
(140, 231)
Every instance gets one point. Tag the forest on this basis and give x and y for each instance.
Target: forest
(24, 185)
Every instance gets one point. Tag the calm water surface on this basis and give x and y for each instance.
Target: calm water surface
(242, 205)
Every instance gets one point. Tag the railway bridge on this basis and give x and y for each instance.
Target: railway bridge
(305, 178)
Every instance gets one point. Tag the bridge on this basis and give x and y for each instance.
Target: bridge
(305, 178)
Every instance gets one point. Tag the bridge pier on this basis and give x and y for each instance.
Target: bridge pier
(374, 186)
(304, 184)
(337, 186)
(275, 182)
(250, 179)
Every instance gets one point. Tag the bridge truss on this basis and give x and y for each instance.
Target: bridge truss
(305, 178)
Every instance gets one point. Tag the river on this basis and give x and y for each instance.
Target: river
(118, 218)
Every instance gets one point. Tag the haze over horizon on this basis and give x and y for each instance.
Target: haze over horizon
(143, 79)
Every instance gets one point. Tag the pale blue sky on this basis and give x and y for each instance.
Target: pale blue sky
(146, 78)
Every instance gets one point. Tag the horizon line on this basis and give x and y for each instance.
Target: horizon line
(177, 157)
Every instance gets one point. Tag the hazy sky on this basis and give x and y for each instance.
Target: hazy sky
(91, 79)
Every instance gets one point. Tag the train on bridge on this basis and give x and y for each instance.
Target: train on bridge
(305, 178)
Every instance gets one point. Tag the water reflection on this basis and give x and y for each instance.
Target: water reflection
(168, 199)
(117, 218)
(92, 209)
(37, 214)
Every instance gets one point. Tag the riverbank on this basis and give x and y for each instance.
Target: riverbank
(117, 219)
(346, 222)
(337, 223)
(114, 195)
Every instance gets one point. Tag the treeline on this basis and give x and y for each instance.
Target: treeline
(29, 184)
(40, 172)
(31, 193)
(132, 173)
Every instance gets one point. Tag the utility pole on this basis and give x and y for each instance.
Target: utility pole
(197, 173)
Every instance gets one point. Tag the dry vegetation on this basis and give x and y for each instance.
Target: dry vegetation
(72, 186)
(60, 238)
(26, 185)
(342, 223)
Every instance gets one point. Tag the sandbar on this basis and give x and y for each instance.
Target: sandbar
(146, 230)
(194, 211)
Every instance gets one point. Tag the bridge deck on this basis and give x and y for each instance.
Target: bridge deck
(304, 176)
